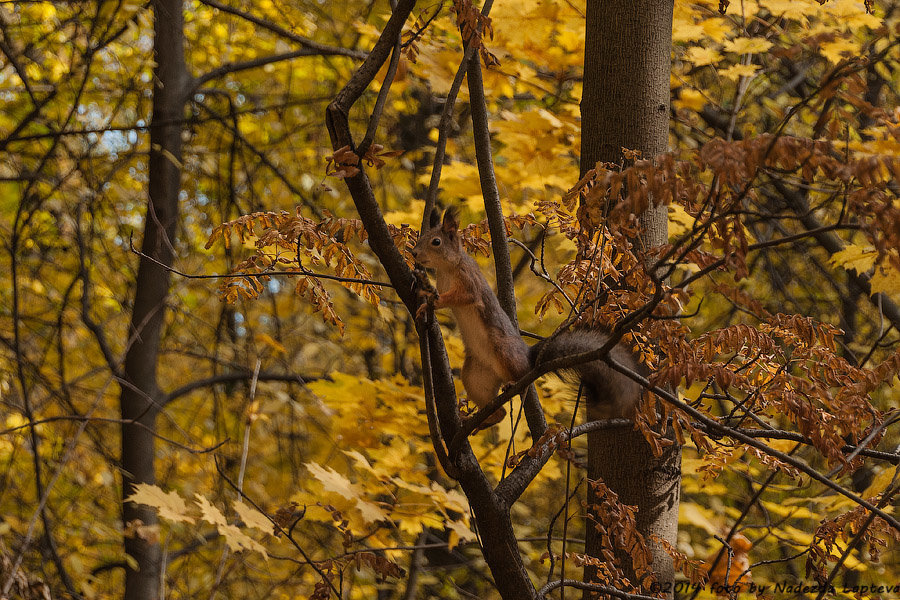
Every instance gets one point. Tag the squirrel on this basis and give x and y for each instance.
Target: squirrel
(496, 355)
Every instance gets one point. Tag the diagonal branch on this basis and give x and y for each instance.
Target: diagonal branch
(320, 49)
(833, 244)
(491, 511)
(236, 67)
(713, 426)
(506, 292)
(233, 377)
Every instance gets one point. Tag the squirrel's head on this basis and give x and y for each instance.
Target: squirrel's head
(439, 244)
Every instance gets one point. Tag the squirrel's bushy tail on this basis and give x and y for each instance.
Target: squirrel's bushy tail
(609, 393)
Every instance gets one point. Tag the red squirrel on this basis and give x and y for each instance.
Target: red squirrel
(496, 354)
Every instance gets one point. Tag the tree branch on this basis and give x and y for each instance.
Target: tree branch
(229, 68)
(713, 426)
(506, 291)
(233, 377)
(833, 244)
(320, 49)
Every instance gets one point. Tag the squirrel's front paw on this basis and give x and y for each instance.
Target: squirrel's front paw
(428, 298)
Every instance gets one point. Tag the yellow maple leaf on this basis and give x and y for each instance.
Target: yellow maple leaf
(834, 51)
(858, 258)
(745, 45)
(716, 28)
(332, 481)
(798, 10)
(685, 30)
(701, 56)
(735, 72)
(459, 531)
(170, 505)
(237, 540)
(690, 99)
(252, 517)
(852, 14)
(209, 513)
(361, 461)
(370, 512)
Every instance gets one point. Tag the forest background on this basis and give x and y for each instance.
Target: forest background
(270, 431)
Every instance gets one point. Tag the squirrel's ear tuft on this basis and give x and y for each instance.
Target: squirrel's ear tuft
(434, 219)
(451, 220)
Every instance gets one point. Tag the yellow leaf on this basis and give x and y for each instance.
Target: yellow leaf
(782, 445)
(716, 28)
(702, 56)
(881, 481)
(691, 100)
(210, 513)
(332, 481)
(679, 221)
(735, 72)
(170, 505)
(885, 280)
(852, 14)
(370, 512)
(252, 517)
(459, 531)
(685, 30)
(794, 512)
(792, 9)
(47, 11)
(798, 536)
(744, 45)
(834, 51)
(361, 461)
(697, 516)
(237, 540)
(855, 257)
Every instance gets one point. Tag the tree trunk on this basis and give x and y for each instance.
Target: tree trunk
(141, 398)
(625, 104)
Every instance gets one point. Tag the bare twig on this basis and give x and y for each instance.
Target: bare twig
(300, 271)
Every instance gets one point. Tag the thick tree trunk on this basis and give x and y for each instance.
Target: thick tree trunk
(140, 399)
(625, 104)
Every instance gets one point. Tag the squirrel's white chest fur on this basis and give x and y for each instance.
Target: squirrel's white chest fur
(475, 335)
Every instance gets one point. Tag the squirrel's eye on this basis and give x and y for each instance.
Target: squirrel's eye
(436, 242)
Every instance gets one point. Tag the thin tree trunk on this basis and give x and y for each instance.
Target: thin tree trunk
(625, 104)
(141, 398)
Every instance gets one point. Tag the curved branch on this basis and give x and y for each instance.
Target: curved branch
(304, 272)
(321, 49)
(594, 587)
(236, 67)
(232, 377)
(89, 419)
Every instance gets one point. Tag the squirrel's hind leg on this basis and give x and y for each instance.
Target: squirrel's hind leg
(482, 385)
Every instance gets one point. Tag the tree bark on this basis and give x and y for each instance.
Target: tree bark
(141, 398)
(625, 104)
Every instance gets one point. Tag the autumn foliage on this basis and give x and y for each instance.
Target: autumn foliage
(293, 451)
